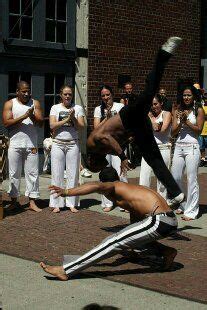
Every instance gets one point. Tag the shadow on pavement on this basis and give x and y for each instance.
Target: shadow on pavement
(87, 203)
(202, 210)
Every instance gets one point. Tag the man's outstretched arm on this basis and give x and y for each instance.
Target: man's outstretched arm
(87, 188)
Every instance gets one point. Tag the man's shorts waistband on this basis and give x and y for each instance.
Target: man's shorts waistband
(169, 213)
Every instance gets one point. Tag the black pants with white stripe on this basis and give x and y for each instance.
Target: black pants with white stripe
(150, 229)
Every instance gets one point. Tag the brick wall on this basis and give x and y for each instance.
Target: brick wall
(125, 35)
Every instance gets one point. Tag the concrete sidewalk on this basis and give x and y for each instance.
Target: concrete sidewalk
(24, 286)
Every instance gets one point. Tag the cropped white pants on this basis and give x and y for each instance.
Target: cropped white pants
(146, 170)
(115, 162)
(27, 158)
(65, 155)
(187, 156)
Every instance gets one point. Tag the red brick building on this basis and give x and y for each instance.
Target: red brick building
(125, 35)
(90, 42)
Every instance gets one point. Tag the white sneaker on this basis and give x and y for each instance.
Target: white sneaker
(174, 201)
(171, 44)
(85, 173)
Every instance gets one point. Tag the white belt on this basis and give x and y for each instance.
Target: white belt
(164, 146)
(66, 142)
(185, 144)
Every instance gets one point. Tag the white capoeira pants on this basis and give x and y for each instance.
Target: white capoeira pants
(152, 228)
(65, 155)
(146, 170)
(187, 155)
(115, 162)
(27, 158)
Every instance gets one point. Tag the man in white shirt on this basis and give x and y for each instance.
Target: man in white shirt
(21, 115)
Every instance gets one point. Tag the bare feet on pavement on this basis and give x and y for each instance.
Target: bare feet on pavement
(186, 218)
(56, 271)
(107, 209)
(56, 210)
(34, 207)
(73, 209)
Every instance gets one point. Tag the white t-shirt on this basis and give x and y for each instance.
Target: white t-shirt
(24, 134)
(68, 130)
(117, 106)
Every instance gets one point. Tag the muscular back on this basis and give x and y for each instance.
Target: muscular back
(111, 128)
(139, 199)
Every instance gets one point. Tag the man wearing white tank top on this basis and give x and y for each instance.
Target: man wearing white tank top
(21, 115)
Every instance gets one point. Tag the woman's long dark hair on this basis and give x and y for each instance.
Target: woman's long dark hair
(196, 103)
(103, 105)
(160, 99)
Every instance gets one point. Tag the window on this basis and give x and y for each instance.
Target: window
(14, 78)
(53, 83)
(56, 21)
(20, 19)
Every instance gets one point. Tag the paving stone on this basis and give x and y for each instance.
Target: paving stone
(47, 236)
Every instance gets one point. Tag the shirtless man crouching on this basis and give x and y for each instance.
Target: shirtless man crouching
(156, 221)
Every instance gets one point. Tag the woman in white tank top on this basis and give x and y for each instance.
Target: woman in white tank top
(161, 124)
(107, 109)
(188, 120)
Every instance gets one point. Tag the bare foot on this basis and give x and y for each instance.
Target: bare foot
(186, 218)
(74, 210)
(56, 210)
(56, 271)
(34, 207)
(168, 258)
(179, 211)
(107, 209)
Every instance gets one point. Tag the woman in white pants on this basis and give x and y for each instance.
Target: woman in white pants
(188, 120)
(66, 119)
(102, 112)
(161, 124)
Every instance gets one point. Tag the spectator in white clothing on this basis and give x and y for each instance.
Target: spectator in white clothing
(107, 109)
(188, 120)
(21, 115)
(161, 125)
(66, 118)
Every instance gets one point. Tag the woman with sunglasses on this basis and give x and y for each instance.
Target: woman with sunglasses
(66, 119)
(188, 120)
